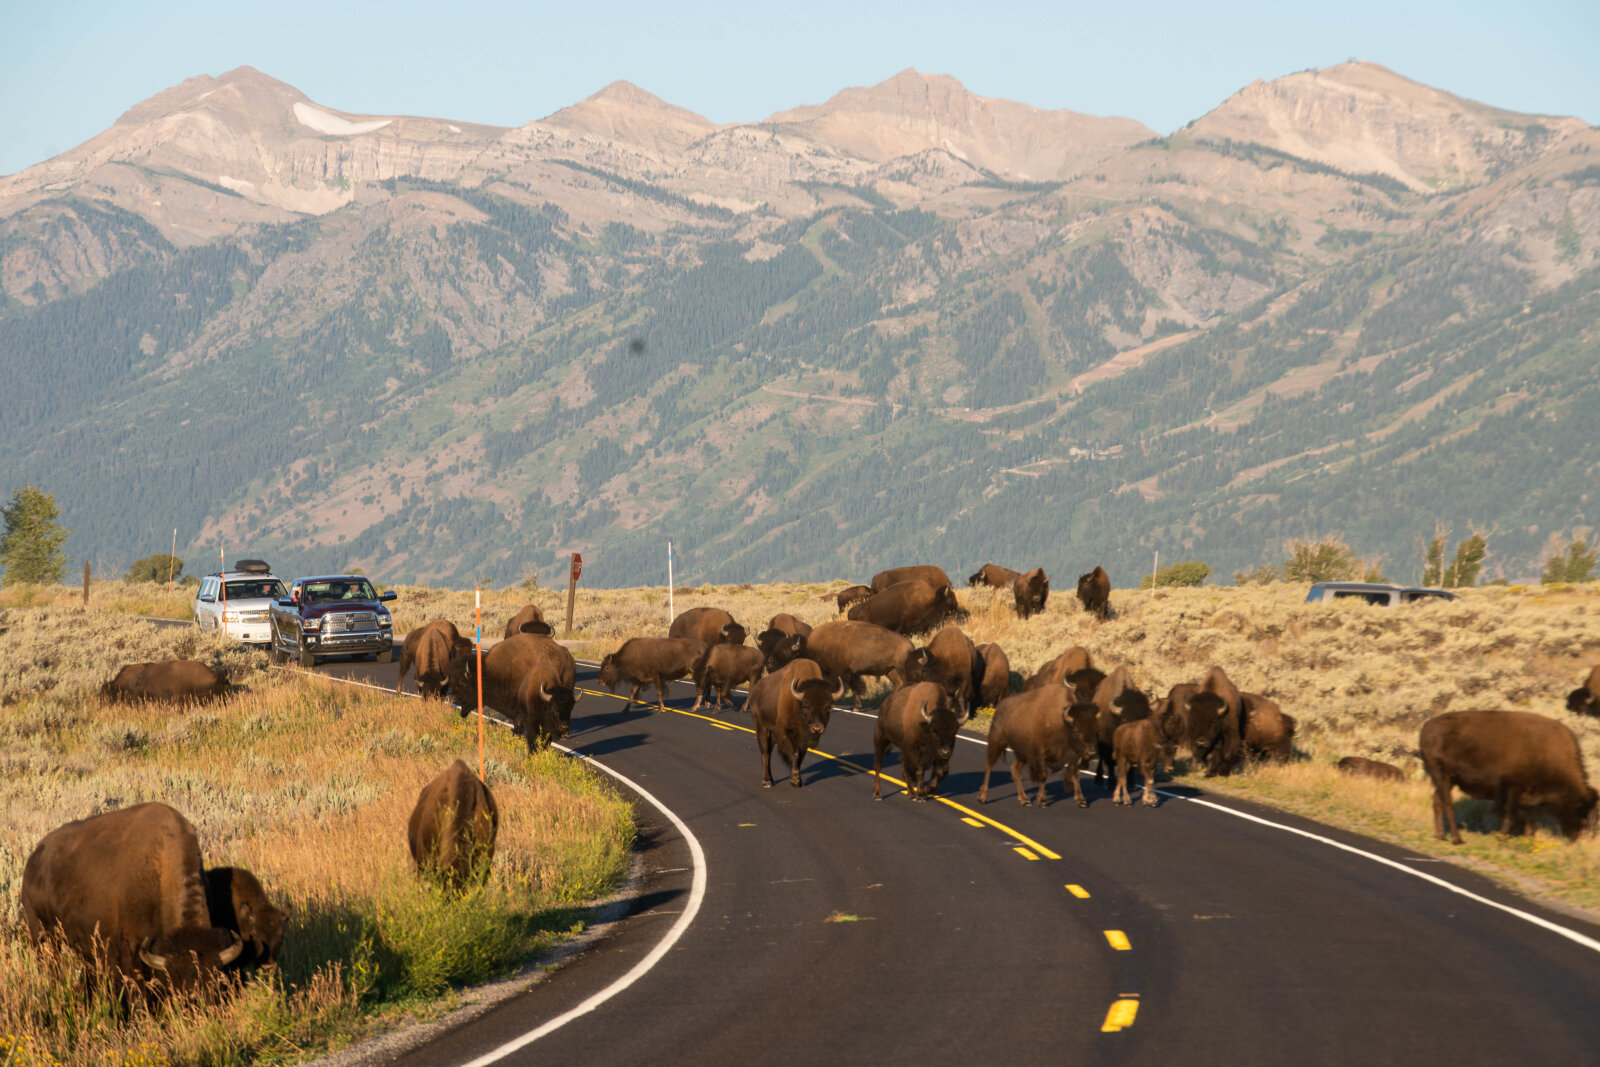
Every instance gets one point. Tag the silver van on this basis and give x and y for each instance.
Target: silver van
(1378, 593)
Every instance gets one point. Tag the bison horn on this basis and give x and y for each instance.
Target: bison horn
(794, 690)
(927, 716)
(966, 713)
(231, 953)
(151, 960)
(544, 693)
(838, 690)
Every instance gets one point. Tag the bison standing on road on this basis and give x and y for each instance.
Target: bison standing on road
(1522, 761)
(791, 709)
(1361, 767)
(506, 667)
(181, 681)
(852, 651)
(926, 572)
(652, 661)
(453, 827)
(1585, 700)
(132, 880)
(430, 648)
(996, 683)
(546, 695)
(1094, 592)
(1055, 672)
(711, 625)
(918, 721)
(1046, 731)
(951, 661)
(910, 607)
(722, 668)
(1117, 700)
(1031, 591)
(1147, 744)
(530, 620)
(994, 576)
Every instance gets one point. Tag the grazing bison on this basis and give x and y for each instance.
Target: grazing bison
(1094, 592)
(1055, 672)
(909, 607)
(996, 683)
(994, 576)
(429, 649)
(1361, 767)
(546, 695)
(1146, 743)
(926, 572)
(724, 666)
(918, 721)
(1267, 732)
(790, 709)
(852, 651)
(1585, 700)
(1116, 701)
(1044, 730)
(711, 625)
(131, 878)
(181, 681)
(654, 661)
(530, 620)
(848, 595)
(950, 661)
(453, 826)
(1031, 591)
(506, 667)
(1525, 763)
(237, 902)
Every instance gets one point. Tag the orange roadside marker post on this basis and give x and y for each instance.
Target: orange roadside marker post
(477, 609)
(222, 561)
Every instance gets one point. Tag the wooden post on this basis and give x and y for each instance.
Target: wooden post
(477, 597)
(574, 568)
(86, 583)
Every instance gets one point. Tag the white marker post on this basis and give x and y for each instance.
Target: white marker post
(671, 611)
(477, 611)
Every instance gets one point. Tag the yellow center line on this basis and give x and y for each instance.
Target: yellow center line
(1078, 891)
(1024, 853)
(1018, 836)
(1118, 940)
(1120, 1016)
(970, 821)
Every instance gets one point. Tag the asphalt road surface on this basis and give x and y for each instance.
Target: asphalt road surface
(837, 929)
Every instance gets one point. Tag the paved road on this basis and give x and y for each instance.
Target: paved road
(836, 928)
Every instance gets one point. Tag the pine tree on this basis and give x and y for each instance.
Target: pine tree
(1576, 565)
(30, 551)
(1433, 558)
(1463, 572)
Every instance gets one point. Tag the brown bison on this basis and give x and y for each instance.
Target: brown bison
(783, 622)
(926, 572)
(1094, 592)
(453, 826)
(918, 721)
(1031, 591)
(180, 681)
(848, 595)
(1266, 731)
(950, 661)
(530, 620)
(128, 884)
(711, 625)
(1585, 700)
(653, 661)
(430, 648)
(996, 683)
(237, 902)
(1525, 763)
(1047, 732)
(852, 651)
(1146, 743)
(1116, 701)
(1055, 672)
(508, 667)
(723, 667)
(781, 648)
(790, 709)
(909, 607)
(994, 576)
(1217, 739)
(1361, 767)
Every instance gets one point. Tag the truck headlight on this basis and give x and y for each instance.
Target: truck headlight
(310, 624)
(230, 616)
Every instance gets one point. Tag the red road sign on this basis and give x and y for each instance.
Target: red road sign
(577, 566)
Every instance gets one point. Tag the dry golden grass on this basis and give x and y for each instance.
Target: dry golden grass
(307, 783)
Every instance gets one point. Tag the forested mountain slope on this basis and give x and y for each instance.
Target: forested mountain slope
(444, 352)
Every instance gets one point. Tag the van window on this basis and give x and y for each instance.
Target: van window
(1380, 599)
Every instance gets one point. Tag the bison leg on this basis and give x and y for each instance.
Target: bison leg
(858, 687)
(405, 665)
(1148, 770)
(1105, 765)
(764, 746)
(794, 766)
(997, 747)
(1072, 772)
(1016, 778)
(879, 746)
(1444, 812)
(1044, 783)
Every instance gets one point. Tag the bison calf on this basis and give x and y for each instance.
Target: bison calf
(722, 668)
(1146, 744)
(453, 827)
(918, 721)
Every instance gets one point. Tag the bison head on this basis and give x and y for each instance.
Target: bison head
(732, 634)
(191, 958)
(538, 627)
(1583, 701)
(610, 673)
(786, 649)
(816, 696)
(554, 705)
(462, 674)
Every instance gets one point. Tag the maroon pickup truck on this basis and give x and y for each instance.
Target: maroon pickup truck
(332, 615)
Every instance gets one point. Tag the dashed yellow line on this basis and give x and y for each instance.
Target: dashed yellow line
(970, 821)
(1024, 853)
(1078, 891)
(1120, 1016)
(1118, 940)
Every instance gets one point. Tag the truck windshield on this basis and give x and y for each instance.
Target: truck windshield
(256, 589)
(339, 589)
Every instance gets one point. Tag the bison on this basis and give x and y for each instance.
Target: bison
(1146, 743)
(994, 576)
(1031, 591)
(783, 622)
(181, 681)
(453, 826)
(952, 662)
(996, 683)
(546, 695)
(918, 721)
(934, 576)
(781, 648)
(506, 667)
(1266, 731)
(1046, 731)
(1585, 700)
(1055, 672)
(1361, 767)
(1094, 592)
(430, 648)
(848, 595)
(909, 607)
(1116, 701)
(237, 902)
(724, 666)
(1522, 761)
(128, 884)
(651, 661)
(530, 620)
(852, 651)
(711, 625)
(780, 629)
(790, 709)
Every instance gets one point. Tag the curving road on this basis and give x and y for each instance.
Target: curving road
(836, 928)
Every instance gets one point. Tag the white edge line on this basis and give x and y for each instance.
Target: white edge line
(697, 893)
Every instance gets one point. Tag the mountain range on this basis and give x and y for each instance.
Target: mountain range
(906, 324)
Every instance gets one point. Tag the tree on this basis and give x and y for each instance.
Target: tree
(1191, 573)
(30, 551)
(1575, 565)
(155, 568)
(1327, 559)
(1463, 570)
(1433, 557)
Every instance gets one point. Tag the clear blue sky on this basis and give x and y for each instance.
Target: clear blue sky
(72, 66)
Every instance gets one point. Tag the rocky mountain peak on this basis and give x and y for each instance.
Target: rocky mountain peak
(624, 112)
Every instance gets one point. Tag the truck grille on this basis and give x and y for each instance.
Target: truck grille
(349, 622)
